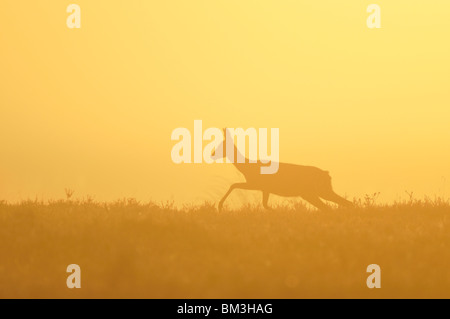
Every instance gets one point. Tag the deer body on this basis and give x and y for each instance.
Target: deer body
(308, 182)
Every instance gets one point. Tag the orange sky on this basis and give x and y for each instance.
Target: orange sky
(93, 109)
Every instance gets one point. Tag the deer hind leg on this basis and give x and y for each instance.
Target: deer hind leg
(315, 201)
(266, 200)
(333, 197)
(232, 187)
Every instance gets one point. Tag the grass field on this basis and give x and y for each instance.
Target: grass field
(133, 250)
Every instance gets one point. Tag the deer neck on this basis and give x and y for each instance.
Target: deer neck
(244, 168)
(233, 157)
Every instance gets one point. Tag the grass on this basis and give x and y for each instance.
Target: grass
(128, 249)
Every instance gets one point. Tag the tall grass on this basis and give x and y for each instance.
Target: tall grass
(158, 250)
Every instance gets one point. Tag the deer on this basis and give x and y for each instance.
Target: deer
(291, 180)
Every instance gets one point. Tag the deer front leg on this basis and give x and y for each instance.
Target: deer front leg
(266, 200)
(232, 187)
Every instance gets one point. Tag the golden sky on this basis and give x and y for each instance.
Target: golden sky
(93, 109)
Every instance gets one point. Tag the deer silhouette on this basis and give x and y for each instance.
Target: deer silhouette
(308, 182)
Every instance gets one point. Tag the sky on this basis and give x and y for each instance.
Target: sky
(93, 109)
